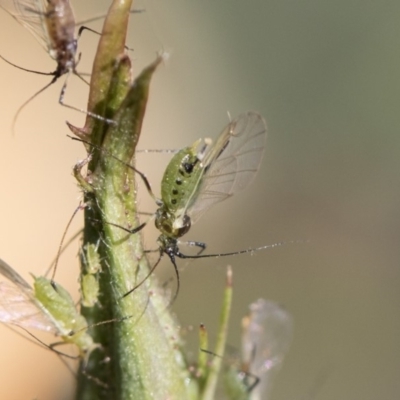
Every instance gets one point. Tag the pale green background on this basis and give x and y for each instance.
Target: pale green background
(326, 75)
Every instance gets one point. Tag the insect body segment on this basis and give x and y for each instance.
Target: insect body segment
(62, 45)
(90, 277)
(180, 180)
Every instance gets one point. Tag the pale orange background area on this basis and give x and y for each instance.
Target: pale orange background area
(325, 74)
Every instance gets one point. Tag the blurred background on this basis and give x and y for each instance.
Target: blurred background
(326, 76)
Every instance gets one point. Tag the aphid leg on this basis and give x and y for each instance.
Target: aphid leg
(171, 255)
(201, 245)
(85, 28)
(245, 375)
(141, 174)
(130, 231)
(147, 276)
(93, 19)
(35, 340)
(61, 101)
(77, 171)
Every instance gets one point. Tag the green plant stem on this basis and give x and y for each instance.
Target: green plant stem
(140, 354)
(215, 366)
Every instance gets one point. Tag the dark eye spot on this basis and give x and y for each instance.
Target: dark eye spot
(188, 167)
(173, 201)
(178, 181)
(175, 192)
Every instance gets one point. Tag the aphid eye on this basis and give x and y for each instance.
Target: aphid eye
(173, 201)
(175, 192)
(188, 167)
(178, 181)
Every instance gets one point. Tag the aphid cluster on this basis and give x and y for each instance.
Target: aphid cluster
(196, 178)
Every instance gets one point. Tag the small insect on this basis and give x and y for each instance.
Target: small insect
(52, 23)
(90, 260)
(198, 177)
(45, 306)
(267, 334)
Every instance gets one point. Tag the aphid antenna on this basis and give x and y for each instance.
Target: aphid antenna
(235, 253)
(173, 252)
(60, 252)
(61, 246)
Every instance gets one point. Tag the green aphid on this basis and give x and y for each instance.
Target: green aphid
(47, 307)
(202, 175)
(90, 277)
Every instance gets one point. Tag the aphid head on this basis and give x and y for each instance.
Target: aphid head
(172, 225)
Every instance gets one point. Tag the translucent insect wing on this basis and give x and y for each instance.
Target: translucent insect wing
(31, 15)
(18, 305)
(232, 162)
(266, 339)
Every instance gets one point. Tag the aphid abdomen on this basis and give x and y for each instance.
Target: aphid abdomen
(181, 179)
(178, 188)
(60, 22)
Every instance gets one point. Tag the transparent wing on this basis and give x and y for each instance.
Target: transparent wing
(31, 15)
(18, 305)
(232, 162)
(266, 339)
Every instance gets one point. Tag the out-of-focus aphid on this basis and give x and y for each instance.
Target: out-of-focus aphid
(46, 306)
(52, 23)
(90, 260)
(267, 333)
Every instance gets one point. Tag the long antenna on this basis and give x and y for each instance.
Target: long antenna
(60, 247)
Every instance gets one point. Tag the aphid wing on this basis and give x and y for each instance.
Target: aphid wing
(266, 339)
(232, 163)
(17, 308)
(18, 305)
(30, 14)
